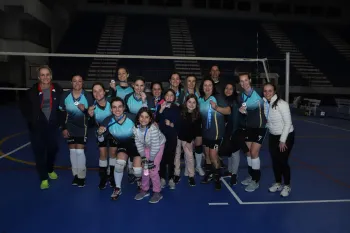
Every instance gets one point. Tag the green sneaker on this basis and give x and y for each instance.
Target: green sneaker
(44, 184)
(53, 175)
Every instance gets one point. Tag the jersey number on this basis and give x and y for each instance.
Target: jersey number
(259, 138)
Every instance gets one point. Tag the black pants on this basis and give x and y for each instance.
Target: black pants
(44, 146)
(280, 159)
(168, 157)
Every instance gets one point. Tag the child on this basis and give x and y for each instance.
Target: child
(150, 145)
(189, 129)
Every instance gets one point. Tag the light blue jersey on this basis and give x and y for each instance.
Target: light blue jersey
(102, 113)
(121, 132)
(255, 117)
(123, 91)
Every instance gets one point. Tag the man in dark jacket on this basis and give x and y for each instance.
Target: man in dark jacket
(40, 110)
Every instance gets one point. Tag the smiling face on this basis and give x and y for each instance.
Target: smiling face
(228, 90)
(269, 91)
(208, 87)
(191, 104)
(175, 81)
(144, 119)
(156, 90)
(77, 82)
(244, 80)
(191, 82)
(169, 97)
(139, 86)
(117, 108)
(122, 75)
(45, 76)
(98, 92)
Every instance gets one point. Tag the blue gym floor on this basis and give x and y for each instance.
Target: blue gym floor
(319, 202)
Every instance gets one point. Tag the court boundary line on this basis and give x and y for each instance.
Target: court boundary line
(233, 193)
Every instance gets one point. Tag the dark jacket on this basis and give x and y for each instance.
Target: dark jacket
(30, 106)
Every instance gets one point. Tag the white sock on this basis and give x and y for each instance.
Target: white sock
(256, 163)
(249, 160)
(112, 161)
(103, 163)
(199, 158)
(81, 163)
(130, 167)
(235, 160)
(73, 161)
(118, 177)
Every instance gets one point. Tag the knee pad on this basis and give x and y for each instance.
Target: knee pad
(137, 171)
(119, 166)
(198, 149)
(79, 152)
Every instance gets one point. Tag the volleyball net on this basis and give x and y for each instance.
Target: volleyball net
(19, 69)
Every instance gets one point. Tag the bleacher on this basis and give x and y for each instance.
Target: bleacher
(319, 52)
(147, 35)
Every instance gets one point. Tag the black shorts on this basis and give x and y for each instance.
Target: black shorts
(212, 144)
(77, 140)
(256, 135)
(237, 141)
(108, 142)
(129, 149)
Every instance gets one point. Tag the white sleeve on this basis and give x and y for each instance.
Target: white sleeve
(284, 110)
(138, 143)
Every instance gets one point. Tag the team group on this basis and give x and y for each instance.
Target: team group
(147, 133)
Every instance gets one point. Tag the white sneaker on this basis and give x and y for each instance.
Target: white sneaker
(286, 191)
(252, 186)
(276, 187)
(171, 184)
(162, 183)
(247, 180)
(200, 171)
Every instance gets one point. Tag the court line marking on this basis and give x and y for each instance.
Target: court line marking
(238, 199)
(231, 191)
(329, 126)
(218, 203)
(15, 150)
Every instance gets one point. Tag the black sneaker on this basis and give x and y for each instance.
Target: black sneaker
(177, 179)
(103, 183)
(233, 180)
(75, 181)
(218, 184)
(81, 183)
(207, 178)
(191, 181)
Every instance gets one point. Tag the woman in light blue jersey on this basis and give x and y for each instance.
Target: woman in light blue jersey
(213, 108)
(253, 126)
(98, 112)
(123, 88)
(120, 127)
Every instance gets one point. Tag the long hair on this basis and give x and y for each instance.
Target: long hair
(184, 111)
(142, 110)
(201, 91)
(275, 104)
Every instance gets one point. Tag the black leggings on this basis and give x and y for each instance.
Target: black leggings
(168, 158)
(280, 159)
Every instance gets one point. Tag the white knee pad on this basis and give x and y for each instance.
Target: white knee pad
(119, 166)
(137, 171)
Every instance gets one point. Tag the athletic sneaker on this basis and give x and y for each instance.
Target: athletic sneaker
(162, 183)
(53, 176)
(81, 183)
(252, 186)
(233, 179)
(286, 191)
(103, 183)
(200, 171)
(191, 181)
(276, 187)
(247, 180)
(177, 179)
(44, 184)
(156, 197)
(75, 180)
(111, 181)
(172, 184)
(142, 194)
(207, 178)
(116, 193)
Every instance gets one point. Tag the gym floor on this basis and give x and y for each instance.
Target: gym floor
(319, 201)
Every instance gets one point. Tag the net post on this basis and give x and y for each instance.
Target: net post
(265, 69)
(287, 77)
